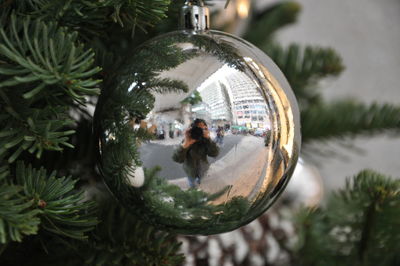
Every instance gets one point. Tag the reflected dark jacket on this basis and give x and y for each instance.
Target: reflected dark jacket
(194, 158)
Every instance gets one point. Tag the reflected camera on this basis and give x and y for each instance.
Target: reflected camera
(196, 133)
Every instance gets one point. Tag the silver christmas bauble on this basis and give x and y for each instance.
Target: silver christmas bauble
(210, 122)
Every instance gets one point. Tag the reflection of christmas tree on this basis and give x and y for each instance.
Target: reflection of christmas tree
(189, 210)
(193, 99)
(50, 52)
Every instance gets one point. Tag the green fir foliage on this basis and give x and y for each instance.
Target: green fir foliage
(37, 200)
(121, 161)
(51, 54)
(172, 203)
(43, 72)
(63, 211)
(122, 239)
(44, 55)
(359, 226)
(193, 99)
(348, 118)
(17, 218)
(304, 67)
(273, 18)
(119, 239)
(94, 16)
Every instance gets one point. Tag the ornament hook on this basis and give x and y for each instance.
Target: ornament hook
(195, 16)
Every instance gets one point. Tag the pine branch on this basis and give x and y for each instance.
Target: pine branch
(42, 130)
(43, 70)
(223, 51)
(168, 203)
(63, 211)
(265, 23)
(93, 17)
(17, 219)
(119, 160)
(347, 118)
(303, 67)
(359, 226)
(42, 56)
(193, 99)
(122, 239)
(165, 85)
(140, 12)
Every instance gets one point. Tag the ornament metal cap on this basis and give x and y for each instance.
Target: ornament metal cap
(195, 16)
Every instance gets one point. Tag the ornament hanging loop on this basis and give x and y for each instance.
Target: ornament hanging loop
(195, 16)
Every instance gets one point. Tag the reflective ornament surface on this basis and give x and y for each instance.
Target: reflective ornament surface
(306, 187)
(198, 133)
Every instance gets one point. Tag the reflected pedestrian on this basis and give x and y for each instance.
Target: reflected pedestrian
(220, 135)
(193, 152)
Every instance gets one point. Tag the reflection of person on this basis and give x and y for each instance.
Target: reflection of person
(194, 150)
(267, 137)
(220, 135)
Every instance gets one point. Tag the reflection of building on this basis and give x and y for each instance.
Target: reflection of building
(249, 106)
(217, 99)
(203, 111)
(235, 99)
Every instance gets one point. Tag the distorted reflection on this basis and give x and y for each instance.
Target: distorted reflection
(208, 126)
(194, 150)
(212, 137)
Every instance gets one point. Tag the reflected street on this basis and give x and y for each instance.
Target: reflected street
(240, 163)
(159, 153)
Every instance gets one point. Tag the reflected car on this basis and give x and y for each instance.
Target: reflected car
(259, 133)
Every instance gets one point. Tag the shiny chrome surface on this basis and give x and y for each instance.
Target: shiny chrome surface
(211, 177)
(195, 16)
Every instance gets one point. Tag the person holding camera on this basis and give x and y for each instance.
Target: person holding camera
(193, 152)
(220, 136)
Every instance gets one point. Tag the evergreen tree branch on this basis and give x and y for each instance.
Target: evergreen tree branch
(358, 225)
(187, 203)
(303, 67)
(93, 17)
(347, 118)
(265, 23)
(165, 85)
(193, 99)
(17, 219)
(62, 210)
(43, 70)
(43, 55)
(366, 233)
(122, 239)
(34, 130)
